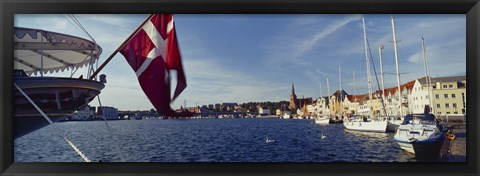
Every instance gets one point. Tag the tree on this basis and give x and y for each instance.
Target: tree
(152, 111)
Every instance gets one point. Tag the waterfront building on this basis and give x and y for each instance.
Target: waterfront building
(392, 103)
(336, 102)
(87, 113)
(352, 103)
(211, 106)
(293, 99)
(448, 95)
(311, 109)
(109, 113)
(278, 112)
(263, 111)
(376, 106)
(296, 103)
(228, 107)
(321, 106)
(420, 96)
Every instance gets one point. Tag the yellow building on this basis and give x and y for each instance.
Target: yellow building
(449, 95)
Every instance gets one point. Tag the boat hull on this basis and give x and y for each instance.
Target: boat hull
(57, 97)
(374, 126)
(392, 126)
(324, 121)
(422, 149)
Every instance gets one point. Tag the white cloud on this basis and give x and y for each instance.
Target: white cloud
(299, 37)
(311, 40)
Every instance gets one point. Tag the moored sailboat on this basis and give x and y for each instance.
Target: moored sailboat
(365, 123)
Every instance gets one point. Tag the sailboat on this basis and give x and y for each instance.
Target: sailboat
(321, 118)
(38, 52)
(365, 123)
(421, 134)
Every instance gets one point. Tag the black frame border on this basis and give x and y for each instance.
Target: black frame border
(10, 7)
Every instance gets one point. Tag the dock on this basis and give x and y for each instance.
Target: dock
(455, 150)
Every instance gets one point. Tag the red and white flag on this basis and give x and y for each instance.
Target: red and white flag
(152, 53)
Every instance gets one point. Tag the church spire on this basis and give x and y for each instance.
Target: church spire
(293, 89)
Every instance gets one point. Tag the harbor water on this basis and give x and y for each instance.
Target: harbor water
(209, 140)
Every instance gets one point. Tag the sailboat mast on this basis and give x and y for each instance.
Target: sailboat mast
(396, 63)
(321, 93)
(367, 60)
(328, 91)
(354, 84)
(328, 88)
(381, 69)
(427, 76)
(341, 90)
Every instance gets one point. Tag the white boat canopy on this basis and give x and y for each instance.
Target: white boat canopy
(38, 50)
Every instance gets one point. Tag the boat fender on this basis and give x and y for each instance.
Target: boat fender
(451, 136)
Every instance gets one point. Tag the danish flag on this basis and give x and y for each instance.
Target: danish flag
(152, 53)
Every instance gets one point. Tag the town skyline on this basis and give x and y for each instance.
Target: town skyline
(256, 58)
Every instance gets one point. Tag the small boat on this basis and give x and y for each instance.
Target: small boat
(322, 120)
(365, 124)
(287, 116)
(421, 134)
(57, 97)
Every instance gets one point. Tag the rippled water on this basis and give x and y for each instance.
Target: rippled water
(209, 140)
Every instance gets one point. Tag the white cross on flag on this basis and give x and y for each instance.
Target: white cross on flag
(152, 53)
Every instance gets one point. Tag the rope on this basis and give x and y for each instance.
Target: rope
(85, 158)
(109, 131)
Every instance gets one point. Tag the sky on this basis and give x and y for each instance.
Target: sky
(256, 57)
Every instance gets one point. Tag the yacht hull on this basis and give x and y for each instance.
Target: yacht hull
(375, 126)
(423, 149)
(392, 126)
(57, 97)
(322, 121)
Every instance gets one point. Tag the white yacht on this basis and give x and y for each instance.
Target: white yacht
(365, 124)
(322, 120)
(421, 134)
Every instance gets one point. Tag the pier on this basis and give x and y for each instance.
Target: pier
(455, 150)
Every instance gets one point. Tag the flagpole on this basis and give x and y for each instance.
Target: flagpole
(118, 49)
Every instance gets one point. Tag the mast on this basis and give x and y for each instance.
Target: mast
(328, 91)
(367, 61)
(427, 74)
(396, 63)
(354, 84)
(328, 88)
(321, 93)
(381, 77)
(381, 69)
(341, 90)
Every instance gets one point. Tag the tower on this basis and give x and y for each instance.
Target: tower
(293, 99)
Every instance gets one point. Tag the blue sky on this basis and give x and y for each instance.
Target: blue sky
(242, 58)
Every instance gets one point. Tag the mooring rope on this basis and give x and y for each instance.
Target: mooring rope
(109, 131)
(85, 158)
